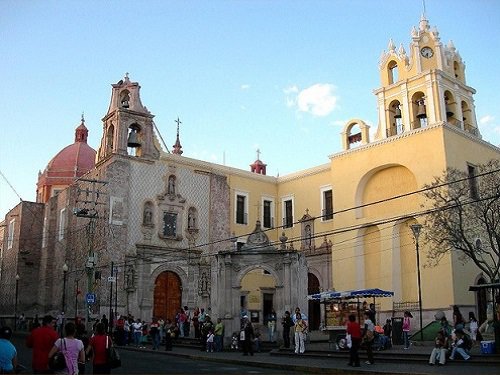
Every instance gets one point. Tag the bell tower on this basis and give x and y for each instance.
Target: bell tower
(426, 88)
(128, 125)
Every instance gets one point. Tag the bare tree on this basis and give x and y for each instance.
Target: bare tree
(465, 216)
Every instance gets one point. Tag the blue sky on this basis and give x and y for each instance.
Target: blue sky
(281, 76)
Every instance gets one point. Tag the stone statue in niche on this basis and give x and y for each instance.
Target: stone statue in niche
(171, 185)
(204, 284)
(130, 278)
(308, 235)
(191, 220)
(148, 215)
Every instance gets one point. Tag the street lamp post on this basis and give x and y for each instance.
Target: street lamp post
(15, 302)
(63, 307)
(416, 228)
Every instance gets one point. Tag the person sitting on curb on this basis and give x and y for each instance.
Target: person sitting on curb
(461, 345)
(440, 350)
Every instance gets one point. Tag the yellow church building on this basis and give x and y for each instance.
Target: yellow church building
(365, 199)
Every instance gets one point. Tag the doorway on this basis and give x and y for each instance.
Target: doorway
(314, 306)
(167, 295)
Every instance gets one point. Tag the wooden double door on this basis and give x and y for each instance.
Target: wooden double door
(167, 295)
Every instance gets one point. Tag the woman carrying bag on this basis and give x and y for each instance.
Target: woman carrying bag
(71, 348)
(98, 346)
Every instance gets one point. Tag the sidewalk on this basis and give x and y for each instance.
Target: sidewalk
(320, 359)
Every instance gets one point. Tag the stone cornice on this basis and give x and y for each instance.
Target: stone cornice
(305, 173)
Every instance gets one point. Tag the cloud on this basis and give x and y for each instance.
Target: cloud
(488, 119)
(245, 87)
(318, 99)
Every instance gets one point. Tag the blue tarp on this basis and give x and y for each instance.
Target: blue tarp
(362, 293)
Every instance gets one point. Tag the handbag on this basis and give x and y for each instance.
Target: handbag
(348, 340)
(114, 360)
(57, 362)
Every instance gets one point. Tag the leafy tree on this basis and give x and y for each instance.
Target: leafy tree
(465, 217)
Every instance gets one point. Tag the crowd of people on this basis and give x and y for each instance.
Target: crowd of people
(47, 338)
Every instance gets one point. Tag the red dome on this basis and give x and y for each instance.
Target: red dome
(71, 162)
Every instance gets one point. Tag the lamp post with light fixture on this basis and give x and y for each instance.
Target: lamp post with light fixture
(416, 228)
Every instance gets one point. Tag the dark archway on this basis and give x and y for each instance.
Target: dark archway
(314, 306)
(482, 302)
(167, 295)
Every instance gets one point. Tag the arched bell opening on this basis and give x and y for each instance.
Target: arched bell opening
(418, 110)
(467, 118)
(392, 72)
(125, 99)
(395, 118)
(134, 140)
(450, 109)
(110, 136)
(354, 135)
(458, 71)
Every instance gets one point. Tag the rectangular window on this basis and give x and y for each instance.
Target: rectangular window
(474, 191)
(62, 224)
(288, 213)
(267, 213)
(169, 224)
(327, 209)
(10, 238)
(241, 208)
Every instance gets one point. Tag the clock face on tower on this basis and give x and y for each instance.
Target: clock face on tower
(427, 52)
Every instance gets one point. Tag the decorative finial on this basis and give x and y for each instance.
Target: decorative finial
(391, 47)
(83, 117)
(126, 77)
(258, 154)
(177, 146)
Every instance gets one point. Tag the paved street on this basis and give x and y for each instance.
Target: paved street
(149, 362)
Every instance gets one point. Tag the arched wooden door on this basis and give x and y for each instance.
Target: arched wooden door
(314, 306)
(167, 295)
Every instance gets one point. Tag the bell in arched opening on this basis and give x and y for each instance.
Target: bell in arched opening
(449, 111)
(421, 109)
(397, 111)
(133, 138)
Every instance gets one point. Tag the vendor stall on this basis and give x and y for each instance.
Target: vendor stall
(337, 306)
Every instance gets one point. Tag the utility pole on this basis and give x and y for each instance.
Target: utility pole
(88, 205)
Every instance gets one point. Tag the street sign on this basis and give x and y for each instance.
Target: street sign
(111, 279)
(90, 297)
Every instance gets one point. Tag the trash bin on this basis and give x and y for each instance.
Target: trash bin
(397, 331)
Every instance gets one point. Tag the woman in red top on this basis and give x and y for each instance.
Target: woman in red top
(354, 329)
(98, 344)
